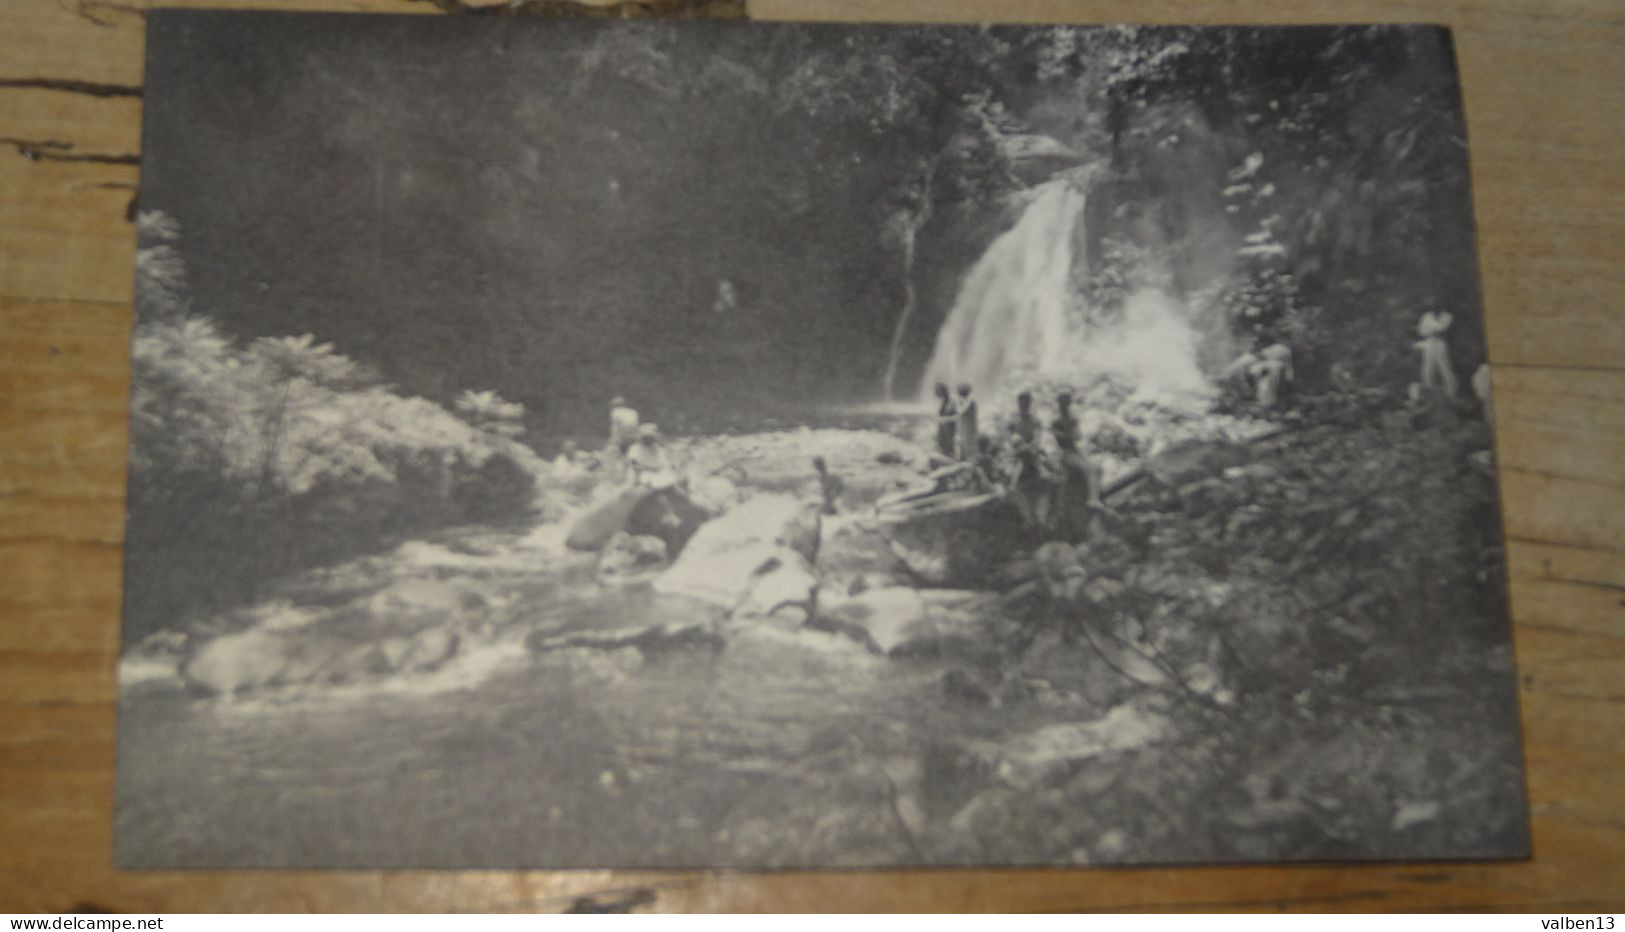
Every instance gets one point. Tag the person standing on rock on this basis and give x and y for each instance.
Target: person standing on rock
(947, 421)
(831, 486)
(967, 443)
(1075, 493)
(647, 459)
(1435, 352)
(1274, 367)
(1027, 475)
(623, 426)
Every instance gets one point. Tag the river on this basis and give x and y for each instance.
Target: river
(783, 748)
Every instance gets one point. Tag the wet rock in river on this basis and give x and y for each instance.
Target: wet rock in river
(783, 588)
(955, 539)
(853, 556)
(629, 556)
(414, 600)
(237, 662)
(427, 650)
(724, 559)
(900, 620)
(669, 515)
(646, 638)
(716, 494)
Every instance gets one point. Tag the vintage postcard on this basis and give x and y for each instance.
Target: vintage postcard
(588, 443)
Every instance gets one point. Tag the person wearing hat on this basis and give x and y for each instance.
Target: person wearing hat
(1435, 353)
(647, 459)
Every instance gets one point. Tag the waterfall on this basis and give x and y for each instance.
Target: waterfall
(887, 384)
(1013, 311)
(1020, 316)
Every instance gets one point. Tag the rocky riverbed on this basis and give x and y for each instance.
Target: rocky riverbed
(788, 690)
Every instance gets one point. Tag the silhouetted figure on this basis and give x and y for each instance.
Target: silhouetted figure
(947, 421)
(965, 407)
(1027, 473)
(1074, 495)
(830, 485)
(1435, 352)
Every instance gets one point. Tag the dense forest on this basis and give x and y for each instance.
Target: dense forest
(1312, 182)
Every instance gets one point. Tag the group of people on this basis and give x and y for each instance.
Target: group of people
(1054, 490)
(1262, 373)
(635, 451)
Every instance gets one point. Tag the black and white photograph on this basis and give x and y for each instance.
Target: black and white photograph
(597, 443)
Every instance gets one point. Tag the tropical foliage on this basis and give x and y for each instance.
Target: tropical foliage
(251, 460)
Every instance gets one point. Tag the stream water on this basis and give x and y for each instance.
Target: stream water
(783, 748)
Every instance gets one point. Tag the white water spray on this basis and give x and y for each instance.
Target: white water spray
(1013, 310)
(1019, 316)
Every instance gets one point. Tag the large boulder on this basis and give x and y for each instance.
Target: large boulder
(628, 557)
(669, 515)
(960, 539)
(716, 494)
(854, 556)
(723, 560)
(783, 589)
(900, 621)
(603, 518)
(239, 662)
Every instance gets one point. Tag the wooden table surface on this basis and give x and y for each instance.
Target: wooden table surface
(1545, 89)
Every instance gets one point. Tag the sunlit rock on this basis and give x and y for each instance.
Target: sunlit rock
(723, 560)
(900, 620)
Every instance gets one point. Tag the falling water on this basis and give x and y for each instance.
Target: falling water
(1013, 310)
(910, 228)
(1020, 315)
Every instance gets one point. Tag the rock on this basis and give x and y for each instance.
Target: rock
(648, 639)
(956, 538)
(600, 521)
(716, 494)
(1027, 760)
(427, 650)
(669, 515)
(899, 620)
(851, 549)
(628, 556)
(724, 558)
(413, 600)
(240, 662)
(783, 587)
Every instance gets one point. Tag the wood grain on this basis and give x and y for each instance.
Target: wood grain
(1545, 89)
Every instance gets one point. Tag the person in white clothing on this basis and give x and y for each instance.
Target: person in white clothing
(1436, 370)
